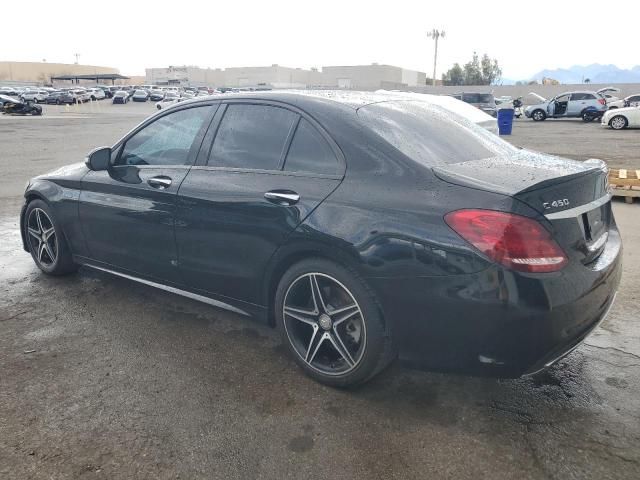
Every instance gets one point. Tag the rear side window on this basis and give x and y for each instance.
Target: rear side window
(166, 141)
(431, 135)
(582, 96)
(477, 97)
(251, 136)
(310, 152)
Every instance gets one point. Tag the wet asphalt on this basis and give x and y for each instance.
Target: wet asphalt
(104, 378)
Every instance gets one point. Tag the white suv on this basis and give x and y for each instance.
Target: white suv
(96, 93)
(34, 95)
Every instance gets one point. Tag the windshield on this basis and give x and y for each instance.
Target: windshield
(430, 134)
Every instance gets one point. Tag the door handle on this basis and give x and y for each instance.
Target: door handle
(160, 182)
(282, 197)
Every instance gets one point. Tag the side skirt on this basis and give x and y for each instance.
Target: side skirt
(177, 291)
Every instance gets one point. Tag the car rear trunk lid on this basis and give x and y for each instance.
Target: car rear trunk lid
(572, 196)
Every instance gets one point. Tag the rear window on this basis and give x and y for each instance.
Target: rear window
(477, 97)
(431, 135)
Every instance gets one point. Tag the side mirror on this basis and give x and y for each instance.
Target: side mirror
(99, 159)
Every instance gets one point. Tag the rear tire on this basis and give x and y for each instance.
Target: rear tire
(588, 117)
(46, 240)
(330, 348)
(538, 115)
(618, 122)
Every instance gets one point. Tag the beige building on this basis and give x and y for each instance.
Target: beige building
(372, 76)
(366, 77)
(41, 72)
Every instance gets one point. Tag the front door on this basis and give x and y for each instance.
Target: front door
(127, 213)
(243, 202)
(558, 106)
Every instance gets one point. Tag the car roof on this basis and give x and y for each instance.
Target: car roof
(578, 91)
(301, 98)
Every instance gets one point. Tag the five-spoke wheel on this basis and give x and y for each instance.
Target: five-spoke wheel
(45, 240)
(324, 323)
(331, 323)
(42, 237)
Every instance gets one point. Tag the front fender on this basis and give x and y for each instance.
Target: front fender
(63, 202)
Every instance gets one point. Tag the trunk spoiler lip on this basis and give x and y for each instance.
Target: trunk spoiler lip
(450, 175)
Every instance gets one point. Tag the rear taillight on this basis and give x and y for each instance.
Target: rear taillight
(602, 101)
(516, 242)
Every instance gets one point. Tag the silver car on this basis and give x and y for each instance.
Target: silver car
(38, 96)
(583, 104)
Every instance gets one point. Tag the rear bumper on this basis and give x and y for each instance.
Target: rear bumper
(498, 322)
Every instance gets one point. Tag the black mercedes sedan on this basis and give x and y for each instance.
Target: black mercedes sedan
(363, 227)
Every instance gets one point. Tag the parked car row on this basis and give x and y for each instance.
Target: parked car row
(585, 104)
(57, 96)
(163, 95)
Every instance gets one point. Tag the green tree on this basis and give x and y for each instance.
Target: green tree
(491, 71)
(454, 76)
(477, 71)
(473, 71)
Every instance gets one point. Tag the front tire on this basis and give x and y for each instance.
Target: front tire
(331, 323)
(46, 241)
(538, 115)
(618, 122)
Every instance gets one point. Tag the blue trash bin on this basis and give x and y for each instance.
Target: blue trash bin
(505, 121)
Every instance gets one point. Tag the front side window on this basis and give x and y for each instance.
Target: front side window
(167, 141)
(310, 153)
(251, 136)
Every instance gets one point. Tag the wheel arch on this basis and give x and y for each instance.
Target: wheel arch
(29, 197)
(626, 119)
(544, 114)
(292, 253)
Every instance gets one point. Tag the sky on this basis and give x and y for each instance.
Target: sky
(524, 36)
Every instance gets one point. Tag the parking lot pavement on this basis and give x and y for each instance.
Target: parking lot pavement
(572, 138)
(104, 378)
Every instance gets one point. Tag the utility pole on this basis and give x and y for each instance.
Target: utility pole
(435, 34)
(77, 55)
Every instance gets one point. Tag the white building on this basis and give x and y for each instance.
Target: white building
(357, 77)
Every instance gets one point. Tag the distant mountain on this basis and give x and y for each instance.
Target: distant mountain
(596, 73)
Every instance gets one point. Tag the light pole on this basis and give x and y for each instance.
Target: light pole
(435, 34)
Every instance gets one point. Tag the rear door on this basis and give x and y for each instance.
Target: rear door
(267, 166)
(127, 212)
(579, 101)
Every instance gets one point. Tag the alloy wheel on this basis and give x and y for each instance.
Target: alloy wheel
(42, 237)
(618, 123)
(324, 324)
